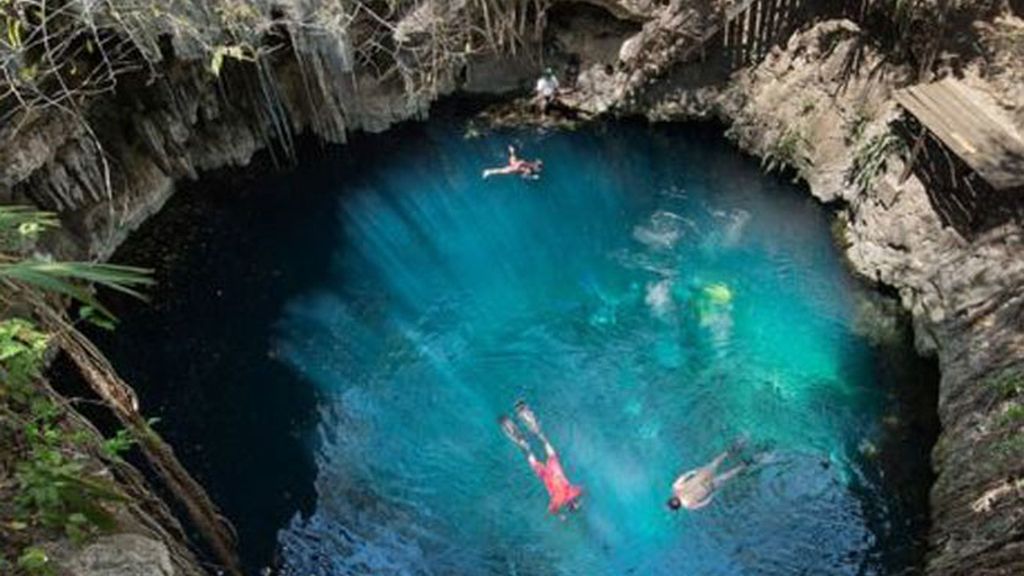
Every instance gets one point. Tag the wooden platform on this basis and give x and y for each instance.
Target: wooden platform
(954, 114)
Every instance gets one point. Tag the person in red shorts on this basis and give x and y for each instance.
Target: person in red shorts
(563, 494)
(516, 165)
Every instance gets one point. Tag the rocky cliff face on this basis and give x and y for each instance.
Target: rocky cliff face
(965, 290)
(207, 84)
(813, 103)
(214, 81)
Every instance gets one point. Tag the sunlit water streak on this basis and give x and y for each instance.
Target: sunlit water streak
(653, 297)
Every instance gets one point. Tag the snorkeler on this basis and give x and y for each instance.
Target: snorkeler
(562, 493)
(517, 165)
(696, 488)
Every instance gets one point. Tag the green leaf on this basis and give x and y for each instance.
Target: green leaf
(235, 52)
(21, 345)
(67, 278)
(14, 32)
(29, 228)
(217, 61)
(34, 560)
(93, 316)
(10, 349)
(22, 222)
(118, 444)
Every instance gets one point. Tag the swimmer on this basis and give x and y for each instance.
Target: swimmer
(696, 488)
(561, 492)
(517, 165)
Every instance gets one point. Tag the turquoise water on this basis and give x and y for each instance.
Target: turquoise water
(338, 368)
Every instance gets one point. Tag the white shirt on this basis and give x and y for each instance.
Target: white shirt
(547, 86)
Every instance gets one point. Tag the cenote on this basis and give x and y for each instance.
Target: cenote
(330, 346)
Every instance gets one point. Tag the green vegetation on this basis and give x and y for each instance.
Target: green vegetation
(1007, 384)
(25, 280)
(916, 31)
(871, 159)
(856, 126)
(1014, 415)
(790, 150)
(808, 106)
(839, 228)
(53, 462)
(35, 561)
(58, 486)
(56, 56)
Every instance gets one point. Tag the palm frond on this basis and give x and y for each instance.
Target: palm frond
(51, 275)
(120, 278)
(73, 278)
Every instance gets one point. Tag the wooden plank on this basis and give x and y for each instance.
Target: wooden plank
(725, 30)
(755, 36)
(946, 122)
(773, 22)
(984, 144)
(952, 113)
(930, 113)
(737, 9)
(751, 51)
(764, 30)
(989, 126)
(784, 16)
(730, 54)
(741, 39)
(966, 117)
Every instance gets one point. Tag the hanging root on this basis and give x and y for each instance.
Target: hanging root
(117, 395)
(151, 512)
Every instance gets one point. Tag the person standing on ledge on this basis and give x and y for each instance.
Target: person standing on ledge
(546, 91)
(562, 493)
(695, 489)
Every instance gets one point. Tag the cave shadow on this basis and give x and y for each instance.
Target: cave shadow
(201, 351)
(908, 431)
(580, 35)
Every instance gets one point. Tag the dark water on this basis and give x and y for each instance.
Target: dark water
(329, 350)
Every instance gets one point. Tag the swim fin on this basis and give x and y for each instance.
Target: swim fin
(512, 432)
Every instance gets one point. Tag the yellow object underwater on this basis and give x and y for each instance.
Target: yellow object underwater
(718, 293)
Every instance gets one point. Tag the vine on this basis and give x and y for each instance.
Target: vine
(52, 465)
(58, 56)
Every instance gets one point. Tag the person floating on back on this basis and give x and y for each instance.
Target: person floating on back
(695, 489)
(563, 494)
(517, 165)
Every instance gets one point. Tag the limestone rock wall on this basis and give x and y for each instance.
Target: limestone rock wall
(314, 66)
(190, 122)
(813, 103)
(966, 294)
(112, 161)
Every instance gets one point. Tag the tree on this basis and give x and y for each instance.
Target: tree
(35, 292)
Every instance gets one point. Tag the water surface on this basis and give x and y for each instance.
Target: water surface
(330, 350)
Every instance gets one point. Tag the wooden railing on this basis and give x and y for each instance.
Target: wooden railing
(751, 27)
